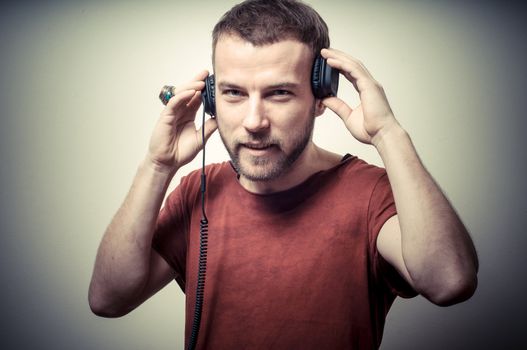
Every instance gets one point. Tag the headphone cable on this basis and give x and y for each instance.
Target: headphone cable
(203, 237)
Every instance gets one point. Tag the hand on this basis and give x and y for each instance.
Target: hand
(373, 116)
(175, 140)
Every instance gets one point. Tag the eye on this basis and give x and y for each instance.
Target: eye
(281, 93)
(232, 93)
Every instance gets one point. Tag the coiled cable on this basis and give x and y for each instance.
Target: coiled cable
(203, 243)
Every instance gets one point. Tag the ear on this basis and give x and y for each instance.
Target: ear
(319, 107)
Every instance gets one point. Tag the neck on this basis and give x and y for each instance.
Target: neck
(312, 160)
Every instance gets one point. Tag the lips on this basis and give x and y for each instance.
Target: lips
(258, 149)
(257, 146)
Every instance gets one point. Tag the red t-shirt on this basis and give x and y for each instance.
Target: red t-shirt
(298, 269)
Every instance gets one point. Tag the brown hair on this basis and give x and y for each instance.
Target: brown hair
(263, 22)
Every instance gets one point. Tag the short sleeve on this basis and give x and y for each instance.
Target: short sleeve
(380, 209)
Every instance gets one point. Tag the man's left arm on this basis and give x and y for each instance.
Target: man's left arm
(426, 241)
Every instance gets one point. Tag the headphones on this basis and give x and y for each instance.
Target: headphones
(324, 83)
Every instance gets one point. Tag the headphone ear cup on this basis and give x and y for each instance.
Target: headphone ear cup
(208, 96)
(316, 77)
(324, 79)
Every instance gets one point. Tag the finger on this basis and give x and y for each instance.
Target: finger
(331, 52)
(210, 126)
(192, 85)
(178, 101)
(338, 106)
(195, 101)
(337, 54)
(197, 83)
(346, 64)
(201, 75)
(355, 69)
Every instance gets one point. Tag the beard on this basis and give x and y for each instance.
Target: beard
(278, 160)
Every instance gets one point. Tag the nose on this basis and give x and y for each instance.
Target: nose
(256, 118)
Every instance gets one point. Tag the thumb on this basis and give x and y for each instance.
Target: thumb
(338, 106)
(210, 126)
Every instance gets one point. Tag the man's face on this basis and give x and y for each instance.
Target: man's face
(264, 104)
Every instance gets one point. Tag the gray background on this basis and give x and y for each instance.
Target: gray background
(78, 100)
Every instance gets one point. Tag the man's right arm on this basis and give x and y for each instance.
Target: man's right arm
(127, 270)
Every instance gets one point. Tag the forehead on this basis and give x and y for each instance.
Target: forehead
(236, 58)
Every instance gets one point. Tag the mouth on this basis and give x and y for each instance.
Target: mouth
(257, 146)
(258, 149)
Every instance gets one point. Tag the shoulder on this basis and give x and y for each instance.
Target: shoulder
(360, 173)
(352, 183)
(189, 186)
(360, 166)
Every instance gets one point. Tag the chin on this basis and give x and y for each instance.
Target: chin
(260, 169)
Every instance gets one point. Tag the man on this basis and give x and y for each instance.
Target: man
(307, 248)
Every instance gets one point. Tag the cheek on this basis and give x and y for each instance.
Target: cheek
(228, 116)
(287, 118)
(227, 130)
(223, 129)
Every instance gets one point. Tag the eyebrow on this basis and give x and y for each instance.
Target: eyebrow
(225, 85)
(285, 85)
(278, 86)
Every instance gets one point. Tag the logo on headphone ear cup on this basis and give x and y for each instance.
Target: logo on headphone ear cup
(207, 96)
(324, 79)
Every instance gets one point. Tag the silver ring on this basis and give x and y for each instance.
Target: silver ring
(166, 93)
